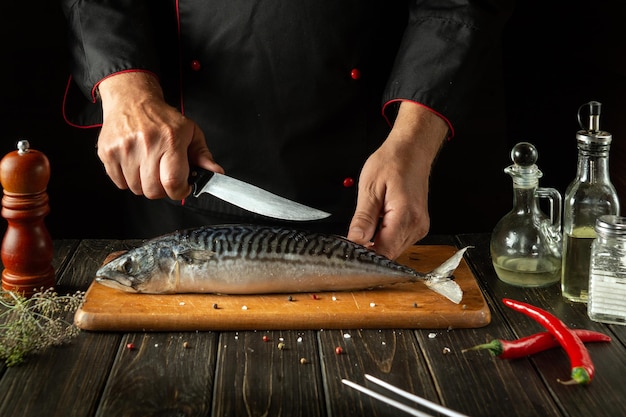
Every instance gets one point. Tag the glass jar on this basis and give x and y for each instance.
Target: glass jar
(607, 271)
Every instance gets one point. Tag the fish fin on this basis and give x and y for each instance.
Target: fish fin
(446, 287)
(446, 269)
(439, 279)
(195, 256)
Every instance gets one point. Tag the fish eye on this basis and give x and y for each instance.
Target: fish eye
(127, 266)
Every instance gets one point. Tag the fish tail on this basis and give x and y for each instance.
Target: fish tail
(440, 279)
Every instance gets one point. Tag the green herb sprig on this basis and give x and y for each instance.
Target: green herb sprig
(32, 324)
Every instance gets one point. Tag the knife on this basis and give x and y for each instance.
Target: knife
(250, 197)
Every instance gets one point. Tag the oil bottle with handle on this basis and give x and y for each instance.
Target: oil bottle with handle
(588, 197)
(526, 244)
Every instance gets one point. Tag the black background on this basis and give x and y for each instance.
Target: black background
(555, 58)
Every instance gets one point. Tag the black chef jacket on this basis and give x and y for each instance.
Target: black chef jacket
(292, 96)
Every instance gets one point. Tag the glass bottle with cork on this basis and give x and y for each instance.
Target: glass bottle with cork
(588, 197)
(525, 244)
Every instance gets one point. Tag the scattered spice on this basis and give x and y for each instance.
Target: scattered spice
(535, 343)
(186, 345)
(244, 307)
(338, 350)
(303, 361)
(281, 346)
(215, 306)
(446, 350)
(266, 338)
(314, 296)
(130, 346)
(414, 305)
(290, 298)
(582, 367)
(372, 304)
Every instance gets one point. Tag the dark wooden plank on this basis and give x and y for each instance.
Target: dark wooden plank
(63, 381)
(163, 374)
(604, 396)
(256, 378)
(86, 259)
(67, 380)
(476, 384)
(619, 332)
(62, 253)
(390, 355)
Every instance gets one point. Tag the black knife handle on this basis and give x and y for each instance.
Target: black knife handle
(198, 178)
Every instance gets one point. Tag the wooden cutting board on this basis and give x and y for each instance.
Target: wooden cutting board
(401, 306)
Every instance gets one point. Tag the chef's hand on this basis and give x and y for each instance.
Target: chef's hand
(145, 144)
(393, 185)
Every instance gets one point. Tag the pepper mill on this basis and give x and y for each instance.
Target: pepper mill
(27, 249)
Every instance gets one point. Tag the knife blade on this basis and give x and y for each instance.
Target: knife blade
(250, 197)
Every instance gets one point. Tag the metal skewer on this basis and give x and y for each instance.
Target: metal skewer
(394, 403)
(407, 395)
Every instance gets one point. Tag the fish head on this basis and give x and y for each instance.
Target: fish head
(146, 269)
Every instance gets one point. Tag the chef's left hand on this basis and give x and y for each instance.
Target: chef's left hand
(392, 203)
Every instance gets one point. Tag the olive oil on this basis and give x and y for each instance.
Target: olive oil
(526, 272)
(576, 256)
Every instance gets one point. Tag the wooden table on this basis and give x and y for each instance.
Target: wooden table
(238, 374)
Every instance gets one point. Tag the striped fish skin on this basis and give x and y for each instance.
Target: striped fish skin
(241, 259)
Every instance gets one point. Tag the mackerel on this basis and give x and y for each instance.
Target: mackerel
(242, 259)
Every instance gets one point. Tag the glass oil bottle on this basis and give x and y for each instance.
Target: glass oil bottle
(526, 244)
(588, 197)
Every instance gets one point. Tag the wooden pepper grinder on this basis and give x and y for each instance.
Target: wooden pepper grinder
(27, 247)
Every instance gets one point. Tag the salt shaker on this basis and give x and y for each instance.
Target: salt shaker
(607, 271)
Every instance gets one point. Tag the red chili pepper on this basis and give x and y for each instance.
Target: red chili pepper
(538, 342)
(580, 360)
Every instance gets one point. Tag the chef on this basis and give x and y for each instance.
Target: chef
(338, 104)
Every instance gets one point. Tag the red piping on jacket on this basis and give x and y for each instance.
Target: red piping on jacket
(93, 95)
(63, 106)
(400, 100)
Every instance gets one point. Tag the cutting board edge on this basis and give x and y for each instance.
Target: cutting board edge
(125, 322)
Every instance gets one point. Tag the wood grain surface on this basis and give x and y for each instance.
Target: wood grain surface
(410, 305)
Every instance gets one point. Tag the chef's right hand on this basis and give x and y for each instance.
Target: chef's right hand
(146, 145)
